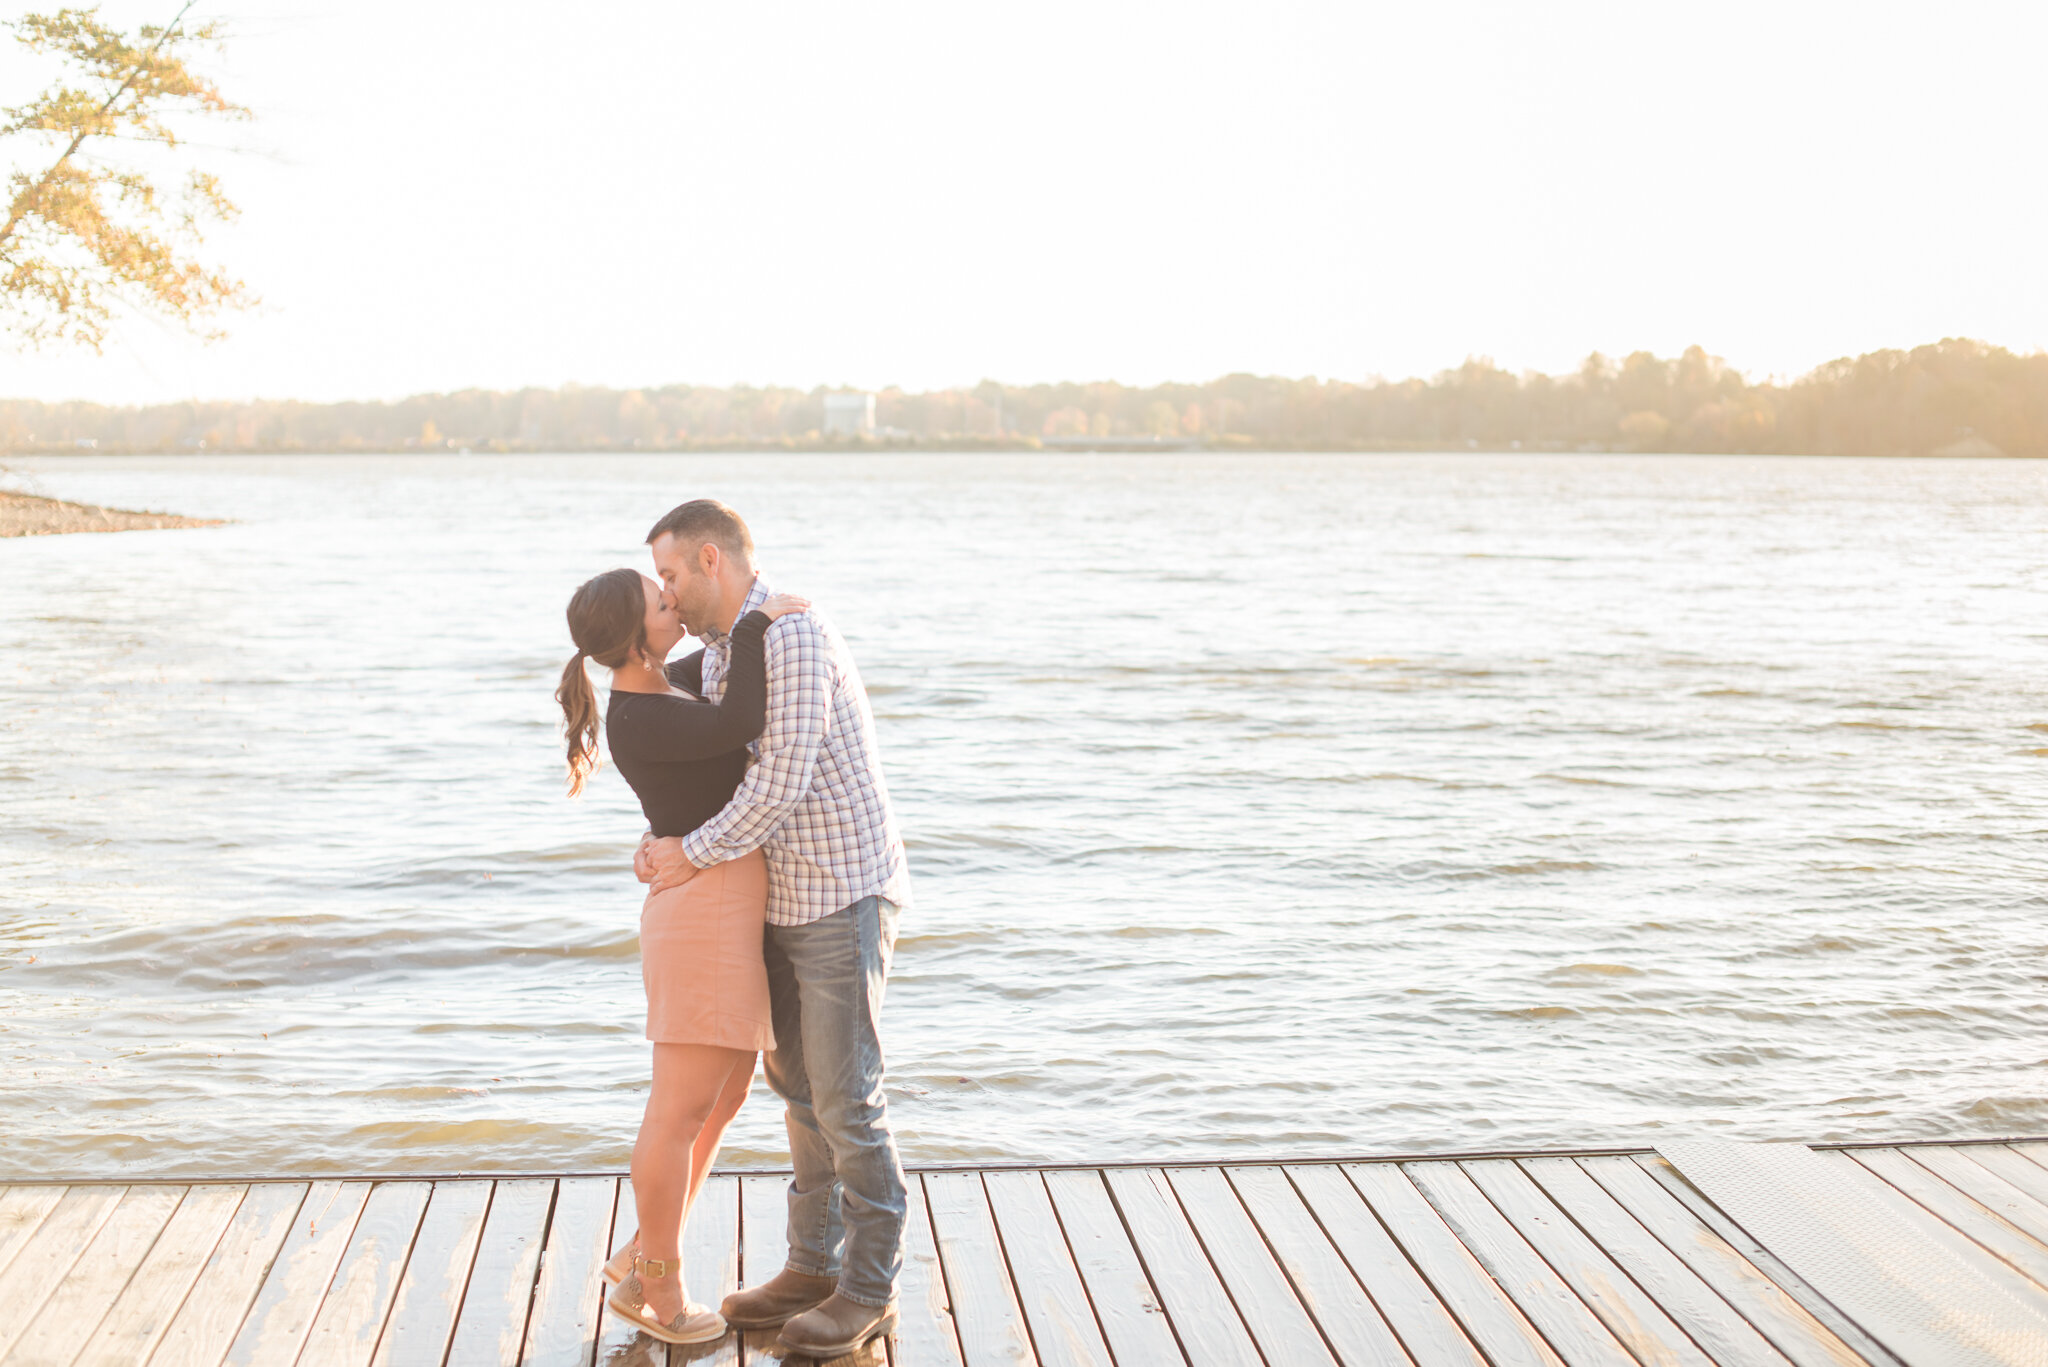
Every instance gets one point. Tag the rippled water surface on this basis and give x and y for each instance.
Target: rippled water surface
(1260, 804)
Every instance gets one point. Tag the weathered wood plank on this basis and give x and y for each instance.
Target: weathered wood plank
(925, 1336)
(142, 1314)
(22, 1211)
(1489, 1315)
(430, 1290)
(1762, 1302)
(1681, 1293)
(1549, 1302)
(2020, 1250)
(492, 1326)
(77, 1305)
(619, 1344)
(1280, 1326)
(764, 1228)
(1965, 1174)
(2008, 1163)
(49, 1254)
(1428, 1331)
(1818, 1306)
(711, 1264)
(1347, 1316)
(562, 1331)
(1132, 1316)
(764, 1251)
(1211, 1332)
(358, 1301)
(985, 1308)
(1629, 1314)
(206, 1323)
(2035, 1151)
(292, 1293)
(1056, 1308)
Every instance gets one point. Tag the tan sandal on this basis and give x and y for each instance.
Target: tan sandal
(694, 1323)
(622, 1262)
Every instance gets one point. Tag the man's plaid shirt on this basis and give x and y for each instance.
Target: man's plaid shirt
(814, 796)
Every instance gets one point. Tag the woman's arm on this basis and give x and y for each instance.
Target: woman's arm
(665, 727)
(688, 673)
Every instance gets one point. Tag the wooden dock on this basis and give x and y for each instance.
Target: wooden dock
(1921, 1255)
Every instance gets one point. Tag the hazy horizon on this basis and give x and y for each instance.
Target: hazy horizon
(1613, 355)
(1749, 375)
(923, 196)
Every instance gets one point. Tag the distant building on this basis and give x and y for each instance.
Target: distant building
(851, 414)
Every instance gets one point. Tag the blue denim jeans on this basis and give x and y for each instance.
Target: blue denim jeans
(847, 1199)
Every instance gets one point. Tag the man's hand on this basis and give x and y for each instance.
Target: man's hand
(667, 865)
(643, 864)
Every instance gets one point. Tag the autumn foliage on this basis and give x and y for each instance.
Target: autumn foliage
(89, 226)
(1949, 398)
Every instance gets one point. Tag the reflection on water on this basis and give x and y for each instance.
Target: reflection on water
(1256, 804)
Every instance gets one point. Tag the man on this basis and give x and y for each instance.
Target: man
(814, 799)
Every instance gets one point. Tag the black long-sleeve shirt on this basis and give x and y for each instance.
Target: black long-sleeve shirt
(684, 757)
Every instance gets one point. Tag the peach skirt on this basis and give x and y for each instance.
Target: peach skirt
(700, 958)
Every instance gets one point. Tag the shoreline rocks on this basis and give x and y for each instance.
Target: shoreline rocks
(31, 515)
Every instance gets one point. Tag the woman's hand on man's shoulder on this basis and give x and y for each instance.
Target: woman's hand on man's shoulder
(779, 605)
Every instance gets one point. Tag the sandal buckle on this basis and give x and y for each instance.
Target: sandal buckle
(654, 1267)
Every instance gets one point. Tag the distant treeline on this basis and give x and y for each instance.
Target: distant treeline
(1954, 397)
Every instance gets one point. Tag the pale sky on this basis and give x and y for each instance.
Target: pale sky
(441, 195)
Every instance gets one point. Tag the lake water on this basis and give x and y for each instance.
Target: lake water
(1255, 804)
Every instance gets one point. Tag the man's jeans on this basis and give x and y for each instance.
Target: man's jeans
(847, 1200)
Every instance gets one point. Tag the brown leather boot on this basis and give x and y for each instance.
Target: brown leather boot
(775, 1300)
(838, 1326)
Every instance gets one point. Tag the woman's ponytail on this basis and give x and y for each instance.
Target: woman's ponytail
(579, 721)
(607, 621)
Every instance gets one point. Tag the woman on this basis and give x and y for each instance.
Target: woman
(700, 944)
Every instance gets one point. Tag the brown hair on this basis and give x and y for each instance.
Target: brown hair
(608, 622)
(706, 519)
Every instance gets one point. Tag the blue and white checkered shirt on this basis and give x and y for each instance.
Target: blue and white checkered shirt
(814, 797)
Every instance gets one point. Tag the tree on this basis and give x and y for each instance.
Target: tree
(87, 233)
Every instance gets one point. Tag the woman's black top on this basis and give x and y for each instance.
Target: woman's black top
(683, 756)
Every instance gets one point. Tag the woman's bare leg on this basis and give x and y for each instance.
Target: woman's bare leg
(689, 1082)
(705, 1152)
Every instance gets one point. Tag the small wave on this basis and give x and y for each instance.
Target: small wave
(481, 1136)
(1824, 944)
(1594, 971)
(2019, 1112)
(1587, 782)
(1446, 784)
(255, 952)
(952, 939)
(548, 1029)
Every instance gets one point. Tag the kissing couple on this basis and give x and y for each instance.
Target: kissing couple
(775, 877)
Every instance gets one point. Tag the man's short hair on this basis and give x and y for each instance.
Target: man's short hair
(706, 519)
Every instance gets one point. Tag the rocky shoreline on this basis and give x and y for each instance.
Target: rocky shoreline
(29, 515)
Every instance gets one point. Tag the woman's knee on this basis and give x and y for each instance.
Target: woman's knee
(681, 1115)
(728, 1106)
